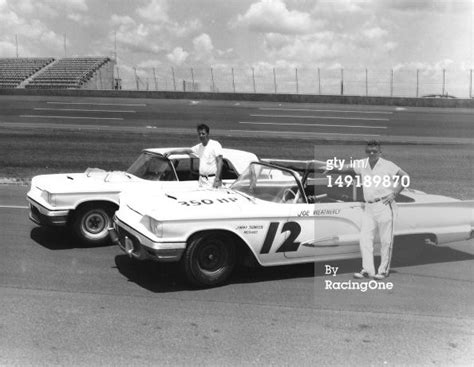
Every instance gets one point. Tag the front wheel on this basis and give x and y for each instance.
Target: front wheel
(209, 259)
(91, 223)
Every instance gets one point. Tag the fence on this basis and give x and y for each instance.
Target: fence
(354, 82)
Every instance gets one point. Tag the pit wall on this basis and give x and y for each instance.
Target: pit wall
(258, 97)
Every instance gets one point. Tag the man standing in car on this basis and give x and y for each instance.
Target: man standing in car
(209, 152)
(382, 182)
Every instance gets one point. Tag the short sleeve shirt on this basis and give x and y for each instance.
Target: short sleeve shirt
(207, 156)
(384, 170)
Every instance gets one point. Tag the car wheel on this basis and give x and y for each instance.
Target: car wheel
(91, 223)
(209, 259)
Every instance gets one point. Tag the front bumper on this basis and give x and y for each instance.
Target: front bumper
(46, 217)
(140, 247)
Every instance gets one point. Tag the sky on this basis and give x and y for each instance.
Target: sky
(244, 34)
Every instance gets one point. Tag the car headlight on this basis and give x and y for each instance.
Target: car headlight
(156, 227)
(48, 197)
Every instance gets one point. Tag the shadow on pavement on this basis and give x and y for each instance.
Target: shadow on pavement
(430, 255)
(151, 275)
(58, 238)
(168, 277)
(427, 255)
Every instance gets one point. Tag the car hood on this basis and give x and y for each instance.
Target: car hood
(84, 182)
(202, 204)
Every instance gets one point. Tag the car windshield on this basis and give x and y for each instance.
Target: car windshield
(153, 168)
(268, 183)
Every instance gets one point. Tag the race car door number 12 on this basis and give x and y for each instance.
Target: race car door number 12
(289, 245)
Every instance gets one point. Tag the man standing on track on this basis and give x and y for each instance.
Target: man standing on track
(382, 181)
(209, 152)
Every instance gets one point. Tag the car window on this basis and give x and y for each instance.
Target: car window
(228, 170)
(153, 168)
(320, 190)
(187, 169)
(269, 183)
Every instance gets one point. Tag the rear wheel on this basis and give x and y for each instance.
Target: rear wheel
(91, 223)
(209, 259)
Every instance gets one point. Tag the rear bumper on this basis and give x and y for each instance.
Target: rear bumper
(46, 217)
(140, 247)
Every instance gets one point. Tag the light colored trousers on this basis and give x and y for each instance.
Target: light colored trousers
(206, 182)
(382, 217)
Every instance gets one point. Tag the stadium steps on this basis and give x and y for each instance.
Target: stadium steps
(26, 81)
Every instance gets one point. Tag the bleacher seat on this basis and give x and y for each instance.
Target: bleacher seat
(68, 73)
(13, 71)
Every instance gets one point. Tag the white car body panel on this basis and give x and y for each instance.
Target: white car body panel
(57, 195)
(285, 233)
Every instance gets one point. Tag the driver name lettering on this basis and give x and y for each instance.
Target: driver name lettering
(326, 211)
(307, 213)
(249, 229)
(303, 213)
(251, 226)
(227, 200)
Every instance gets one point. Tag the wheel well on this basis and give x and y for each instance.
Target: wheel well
(104, 203)
(243, 250)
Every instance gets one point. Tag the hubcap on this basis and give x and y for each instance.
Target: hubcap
(95, 223)
(211, 258)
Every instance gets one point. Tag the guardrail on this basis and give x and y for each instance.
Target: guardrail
(258, 97)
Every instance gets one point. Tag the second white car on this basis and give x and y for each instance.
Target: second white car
(87, 201)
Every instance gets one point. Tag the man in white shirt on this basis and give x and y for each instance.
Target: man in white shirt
(382, 182)
(209, 152)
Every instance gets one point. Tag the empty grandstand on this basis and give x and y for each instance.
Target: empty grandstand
(75, 73)
(14, 71)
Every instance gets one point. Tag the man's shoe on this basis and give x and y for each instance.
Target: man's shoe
(380, 276)
(361, 274)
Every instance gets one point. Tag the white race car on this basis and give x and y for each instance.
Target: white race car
(283, 213)
(88, 200)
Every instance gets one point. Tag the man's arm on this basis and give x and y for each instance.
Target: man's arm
(346, 169)
(178, 151)
(398, 187)
(219, 163)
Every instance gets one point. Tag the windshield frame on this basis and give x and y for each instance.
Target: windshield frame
(155, 155)
(275, 167)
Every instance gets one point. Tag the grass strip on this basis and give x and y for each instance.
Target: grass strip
(438, 169)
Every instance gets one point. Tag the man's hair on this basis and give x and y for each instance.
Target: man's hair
(374, 143)
(203, 127)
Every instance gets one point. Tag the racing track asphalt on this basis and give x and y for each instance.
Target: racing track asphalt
(431, 125)
(63, 304)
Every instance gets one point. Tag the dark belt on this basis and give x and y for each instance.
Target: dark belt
(374, 201)
(207, 176)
